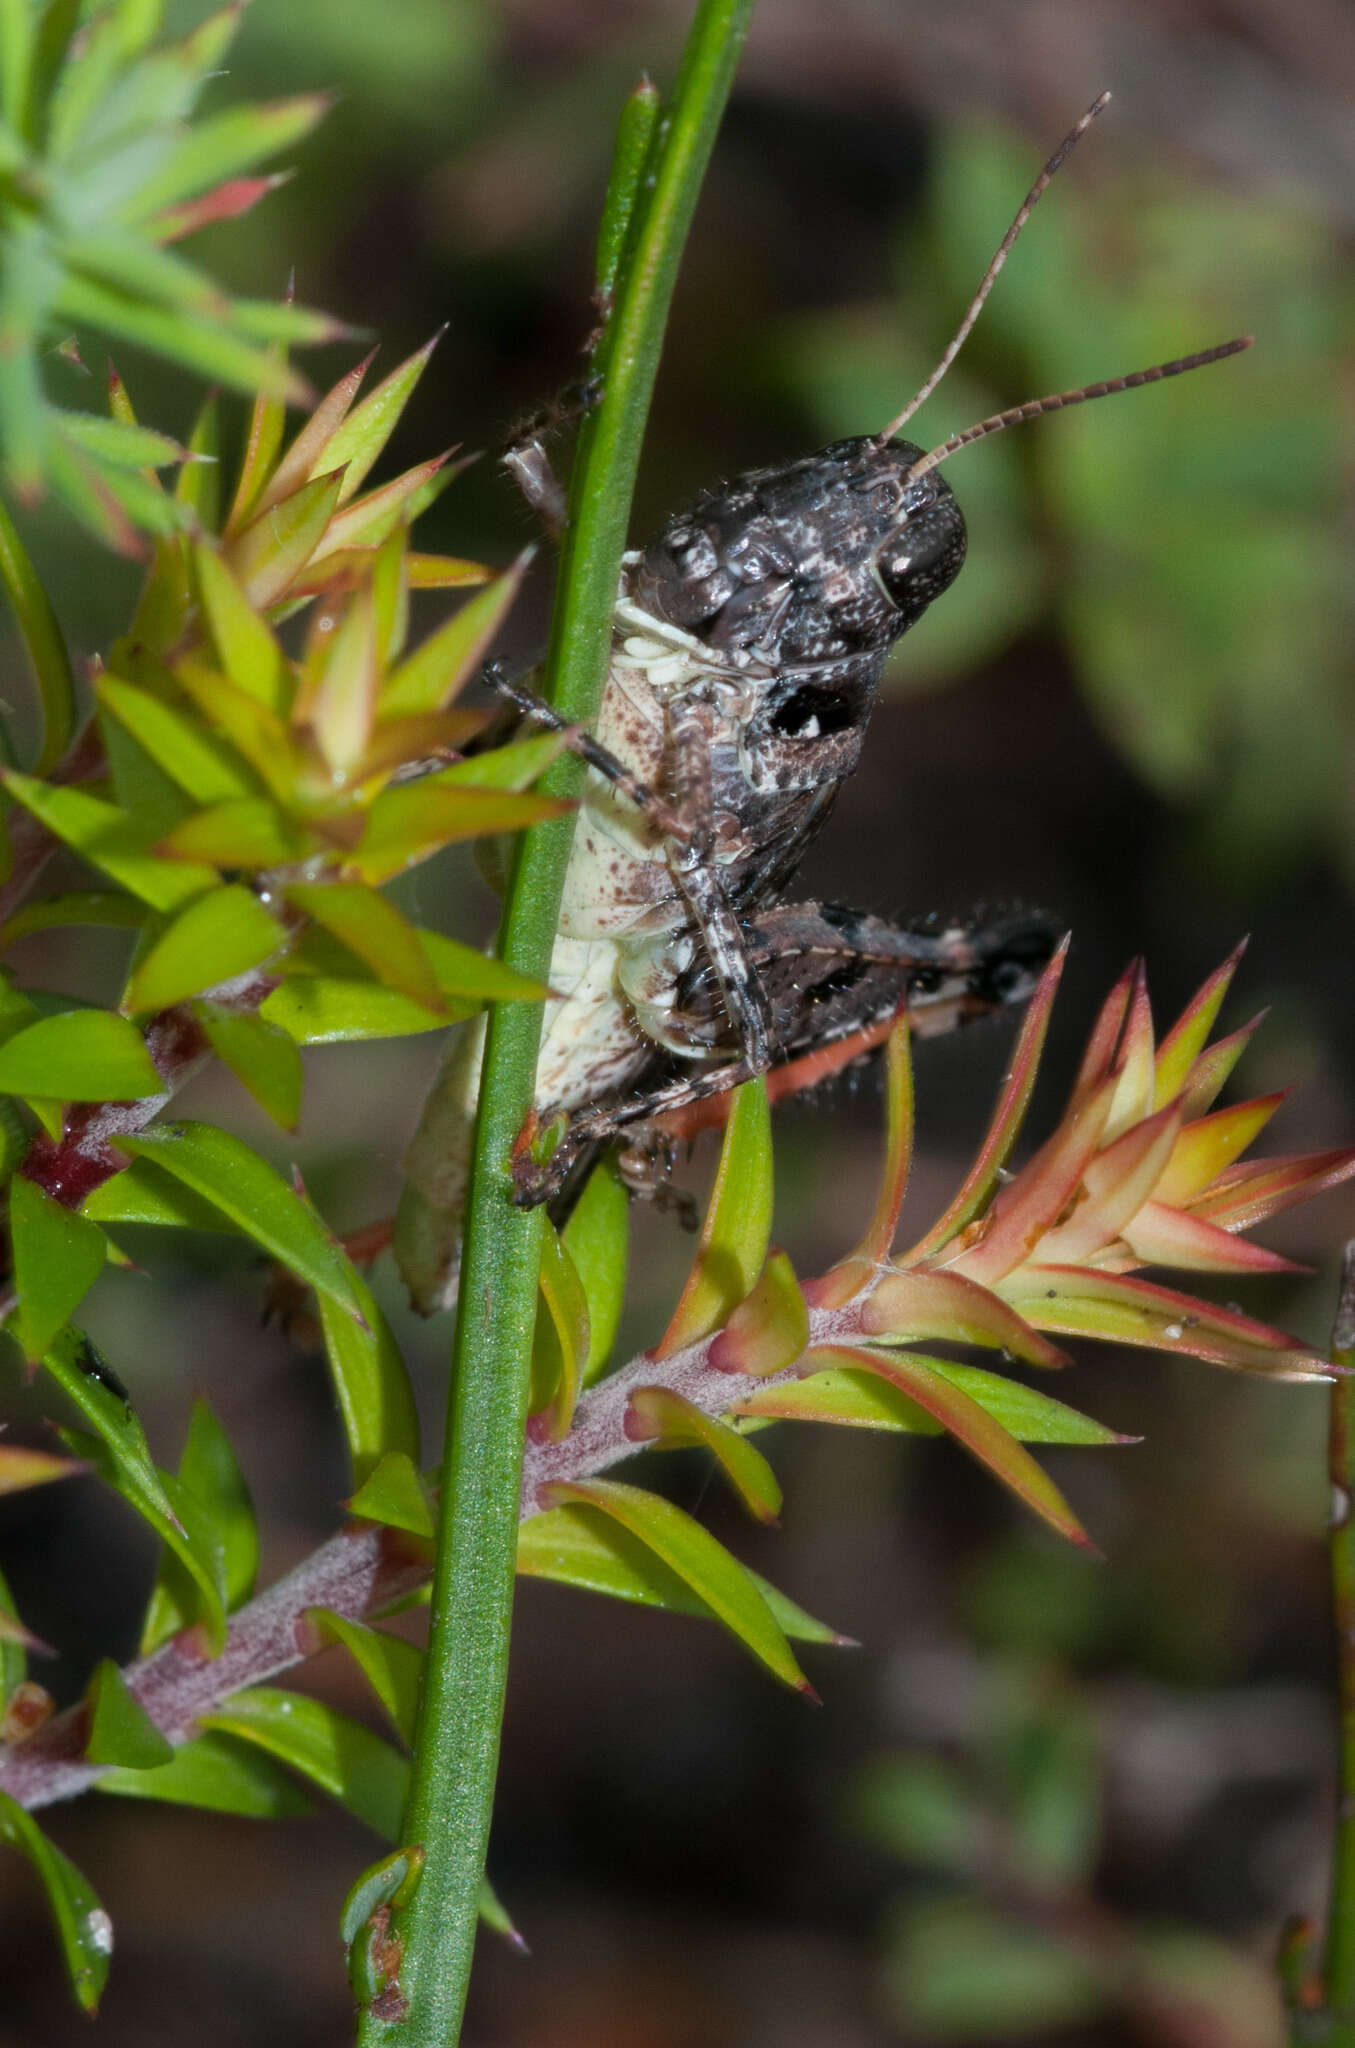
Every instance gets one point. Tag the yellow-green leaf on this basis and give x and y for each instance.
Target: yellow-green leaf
(79, 1056)
(222, 934)
(83, 1928)
(120, 1729)
(737, 1229)
(110, 840)
(372, 928)
(210, 1472)
(262, 1056)
(449, 657)
(359, 1769)
(217, 1774)
(244, 643)
(391, 1666)
(581, 1546)
(669, 1418)
(693, 1553)
(58, 1255)
(597, 1238)
(246, 1189)
(394, 1494)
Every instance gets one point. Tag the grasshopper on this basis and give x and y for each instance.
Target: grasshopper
(750, 638)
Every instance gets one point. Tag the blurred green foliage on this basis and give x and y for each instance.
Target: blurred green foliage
(1003, 1932)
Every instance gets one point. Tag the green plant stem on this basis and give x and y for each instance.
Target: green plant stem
(1340, 1959)
(456, 1750)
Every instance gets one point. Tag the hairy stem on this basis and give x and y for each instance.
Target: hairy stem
(456, 1750)
(364, 1568)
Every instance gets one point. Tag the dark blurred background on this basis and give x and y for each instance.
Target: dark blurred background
(1133, 709)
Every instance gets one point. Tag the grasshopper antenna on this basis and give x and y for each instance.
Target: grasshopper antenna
(990, 275)
(1033, 407)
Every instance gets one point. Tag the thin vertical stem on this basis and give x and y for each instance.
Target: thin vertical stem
(456, 1750)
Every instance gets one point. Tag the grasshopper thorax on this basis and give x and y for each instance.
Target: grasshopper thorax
(817, 564)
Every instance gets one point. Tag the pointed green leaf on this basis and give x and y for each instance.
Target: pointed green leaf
(689, 1550)
(392, 1667)
(365, 432)
(141, 787)
(83, 1928)
(271, 551)
(414, 820)
(394, 1494)
(1185, 1041)
(597, 1239)
(476, 977)
(251, 728)
(207, 348)
(122, 1457)
(373, 518)
(372, 928)
(261, 1056)
(249, 833)
(1121, 1308)
(305, 456)
(267, 420)
(449, 657)
(580, 1546)
(76, 906)
(214, 939)
(220, 1166)
(23, 1466)
(13, 1653)
(371, 1382)
(515, 766)
(737, 1229)
(46, 647)
(111, 840)
(970, 1425)
(217, 1774)
(128, 447)
(223, 146)
(561, 1339)
(862, 1400)
(120, 1729)
(141, 1193)
(669, 1418)
(327, 1010)
(859, 1267)
(198, 484)
(200, 763)
(340, 701)
(79, 1056)
(908, 1307)
(360, 1770)
(1005, 1128)
(209, 1471)
(58, 1255)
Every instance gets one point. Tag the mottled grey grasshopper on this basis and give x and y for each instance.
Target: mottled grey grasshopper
(749, 642)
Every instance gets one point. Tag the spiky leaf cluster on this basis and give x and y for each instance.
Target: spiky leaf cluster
(103, 169)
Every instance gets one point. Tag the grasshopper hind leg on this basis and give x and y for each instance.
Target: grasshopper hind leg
(831, 978)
